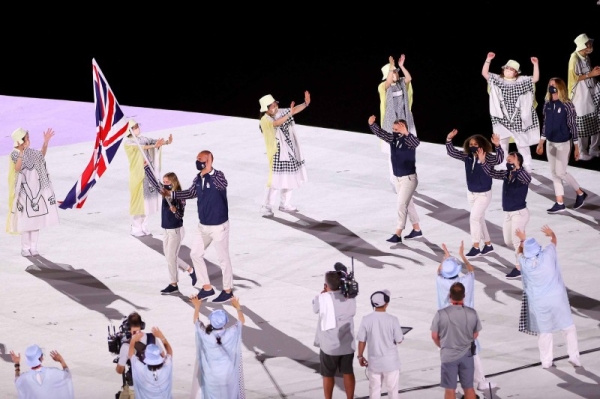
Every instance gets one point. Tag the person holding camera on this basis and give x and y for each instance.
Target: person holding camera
(382, 332)
(42, 382)
(335, 334)
(454, 330)
(154, 374)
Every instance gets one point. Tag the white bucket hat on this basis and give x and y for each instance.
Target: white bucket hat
(514, 65)
(265, 101)
(18, 136)
(131, 124)
(33, 353)
(581, 41)
(385, 70)
(152, 355)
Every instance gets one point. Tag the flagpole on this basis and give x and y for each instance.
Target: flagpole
(158, 179)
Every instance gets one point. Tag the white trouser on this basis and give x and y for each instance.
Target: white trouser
(545, 345)
(171, 245)
(219, 236)
(513, 221)
(139, 224)
(285, 197)
(558, 158)
(525, 151)
(391, 380)
(585, 142)
(29, 240)
(479, 203)
(405, 187)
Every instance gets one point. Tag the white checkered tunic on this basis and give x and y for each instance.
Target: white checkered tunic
(511, 91)
(589, 124)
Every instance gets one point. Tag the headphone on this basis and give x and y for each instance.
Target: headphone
(142, 322)
(386, 297)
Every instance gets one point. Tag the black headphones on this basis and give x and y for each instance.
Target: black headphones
(386, 297)
(132, 315)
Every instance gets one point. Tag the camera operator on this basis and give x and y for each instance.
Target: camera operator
(154, 376)
(335, 334)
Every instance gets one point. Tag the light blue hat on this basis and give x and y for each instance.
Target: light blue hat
(531, 248)
(33, 353)
(450, 267)
(152, 355)
(218, 318)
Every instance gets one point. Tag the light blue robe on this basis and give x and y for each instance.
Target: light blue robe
(549, 308)
(443, 293)
(56, 383)
(152, 384)
(220, 372)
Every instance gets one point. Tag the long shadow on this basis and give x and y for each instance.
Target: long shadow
(456, 217)
(213, 270)
(79, 285)
(591, 206)
(343, 239)
(589, 390)
(4, 354)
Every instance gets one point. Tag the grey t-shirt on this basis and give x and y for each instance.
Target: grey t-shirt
(339, 340)
(381, 332)
(455, 325)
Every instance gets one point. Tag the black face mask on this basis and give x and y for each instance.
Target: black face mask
(168, 186)
(200, 165)
(473, 149)
(510, 166)
(552, 89)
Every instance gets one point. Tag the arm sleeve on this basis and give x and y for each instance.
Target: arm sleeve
(454, 153)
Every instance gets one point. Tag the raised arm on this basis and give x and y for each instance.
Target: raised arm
(497, 157)
(451, 150)
(48, 134)
(303, 106)
(536, 69)
(488, 168)
(157, 333)
(485, 70)
(235, 302)
(461, 252)
(152, 178)
(379, 132)
(57, 357)
(523, 176)
(390, 77)
(220, 180)
(549, 233)
(184, 194)
(197, 303)
(407, 77)
(411, 141)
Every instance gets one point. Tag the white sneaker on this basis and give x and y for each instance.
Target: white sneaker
(26, 253)
(595, 153)
(266, 211)
(575, 362)
(287, 208)
(486, 385)
(584, 156)
(34, 252)
(137, 233)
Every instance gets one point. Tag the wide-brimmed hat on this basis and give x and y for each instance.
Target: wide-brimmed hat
(218, 318)
(531, 248)
(265, 101)
(18, 136)
(450, 267)
(152, 355)
(581, 41)
(385, 70)
(514, 65)
(33, 353)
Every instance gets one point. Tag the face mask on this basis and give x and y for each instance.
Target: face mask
(510, 166)
(168, 186)
(473, 149)
(552, 89)
(200, 165)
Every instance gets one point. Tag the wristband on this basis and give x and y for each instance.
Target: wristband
(17, 365)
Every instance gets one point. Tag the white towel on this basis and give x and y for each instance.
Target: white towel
(326, 311)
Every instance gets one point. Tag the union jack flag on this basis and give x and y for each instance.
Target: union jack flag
(111, 127)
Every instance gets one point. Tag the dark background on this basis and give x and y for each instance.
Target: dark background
(221, 58)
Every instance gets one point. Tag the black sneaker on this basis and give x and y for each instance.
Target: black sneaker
(558, 208)
(394, 238)
(171, 289)
(413, 234)
(487, 249)
(224, 296)
(514, 273)
(580, 200)
(193, 276)
(205, 294)
(473, 252)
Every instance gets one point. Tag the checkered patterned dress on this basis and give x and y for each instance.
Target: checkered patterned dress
(524, 317)
(589, 124)
(511, 91)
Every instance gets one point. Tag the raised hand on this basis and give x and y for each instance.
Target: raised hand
(235, 302)
(451, 135)
(16, 358)
(48, 134)
(391, 62)
(461, 249)
(292, 107)
(371, 119)
(57, 357)
(547, 230)
(306, 98)
(159, 143)
(157, 333)
(195, 301)
(446, 252)
(521, 234)
(490, 56)
(401, 60)
(495, 139)
(170, 139)
(534, 60)
(481, 155)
